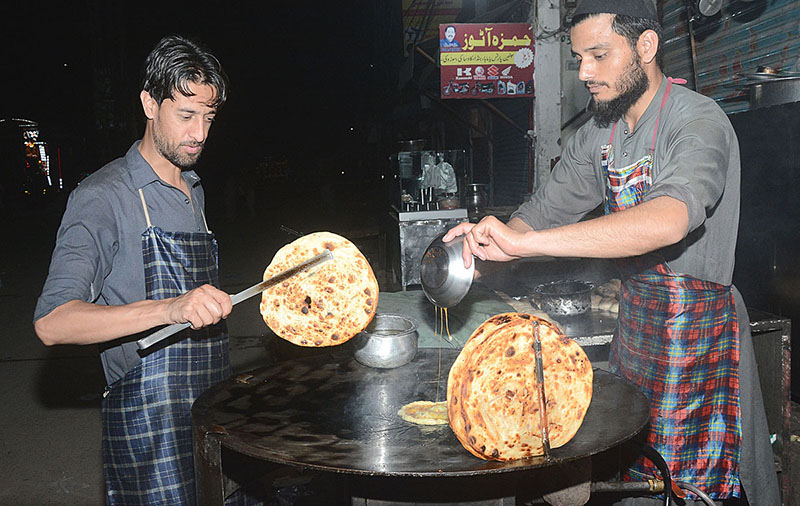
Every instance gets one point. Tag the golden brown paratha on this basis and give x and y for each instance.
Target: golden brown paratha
(492, 391)
(424, 412)
(327, 304)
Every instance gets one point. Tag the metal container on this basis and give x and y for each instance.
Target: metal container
(476, 198)
(563, 298)
(445, 280)
(775, 91)
(389, 341)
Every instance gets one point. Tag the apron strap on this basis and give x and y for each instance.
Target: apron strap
(144, 206)
(147, 215)
(205, 223)
(670, 80)
(613, 129)
(664, 101)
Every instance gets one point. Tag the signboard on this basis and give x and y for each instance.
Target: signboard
(486, 60)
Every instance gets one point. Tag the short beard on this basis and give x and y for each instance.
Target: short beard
(172, 154)
(632, 84)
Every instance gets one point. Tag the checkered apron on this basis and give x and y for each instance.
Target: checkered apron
(147, 436)
(678, 341)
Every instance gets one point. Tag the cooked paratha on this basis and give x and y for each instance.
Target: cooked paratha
(492, 391)
(327, 304)
(424, 412)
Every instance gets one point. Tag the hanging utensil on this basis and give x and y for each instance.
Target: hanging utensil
(164, 333)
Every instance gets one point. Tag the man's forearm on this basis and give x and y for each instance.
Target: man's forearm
(78, 322)
(637, 230)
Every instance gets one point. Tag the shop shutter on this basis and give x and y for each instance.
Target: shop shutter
(740, 38)
(510, 151)
(677, 43)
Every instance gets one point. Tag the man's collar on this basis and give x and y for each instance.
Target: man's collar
(143, 174)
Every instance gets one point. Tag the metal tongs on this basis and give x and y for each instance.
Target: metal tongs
(543, 423)
(164, 333)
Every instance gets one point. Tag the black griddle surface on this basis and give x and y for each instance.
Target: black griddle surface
(328, 412)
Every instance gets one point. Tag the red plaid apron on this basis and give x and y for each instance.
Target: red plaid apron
(678, 341)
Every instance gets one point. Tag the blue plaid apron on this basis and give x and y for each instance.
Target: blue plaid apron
(678, 341)
(147, 436)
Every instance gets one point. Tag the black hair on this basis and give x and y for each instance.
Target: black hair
(175, 62)
(631, 28)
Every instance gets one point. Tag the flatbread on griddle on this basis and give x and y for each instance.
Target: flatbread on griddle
(424, 412)
(492, 390)
(326, 305)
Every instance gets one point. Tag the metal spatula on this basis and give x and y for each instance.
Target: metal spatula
(164, 333)
(544, 424)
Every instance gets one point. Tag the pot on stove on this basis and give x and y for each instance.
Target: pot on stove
(563, 298)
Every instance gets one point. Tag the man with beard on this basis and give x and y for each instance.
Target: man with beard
(133, 252)
(663, 162)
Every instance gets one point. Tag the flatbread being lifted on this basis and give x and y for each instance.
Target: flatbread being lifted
(327, 304)
(492, 390)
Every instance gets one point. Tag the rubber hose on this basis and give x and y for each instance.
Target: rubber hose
(656, 458)
(696, 491)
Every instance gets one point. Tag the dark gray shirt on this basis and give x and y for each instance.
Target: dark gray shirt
(98, 252)
(696, 161)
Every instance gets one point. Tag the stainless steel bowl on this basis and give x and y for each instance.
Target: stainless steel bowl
(389, 341)
(564, 298)
(444, 278)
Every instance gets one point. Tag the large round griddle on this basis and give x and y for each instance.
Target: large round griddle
(328, 412)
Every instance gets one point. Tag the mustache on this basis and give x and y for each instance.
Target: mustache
(595, 83)
(192, 144)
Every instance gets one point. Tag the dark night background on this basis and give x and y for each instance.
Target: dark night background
(315, 88)
(313, 84)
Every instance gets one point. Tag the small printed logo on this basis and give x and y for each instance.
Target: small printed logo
(523, 58)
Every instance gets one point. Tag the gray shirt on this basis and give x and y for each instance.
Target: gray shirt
(98, 252)
(696, 161)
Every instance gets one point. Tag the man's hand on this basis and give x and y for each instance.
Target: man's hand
(460, 229)
(489, 239)
(639, 229)
(79, 322)
(203, 306)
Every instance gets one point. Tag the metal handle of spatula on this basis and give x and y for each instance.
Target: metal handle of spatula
(170, 330)
(543, 422)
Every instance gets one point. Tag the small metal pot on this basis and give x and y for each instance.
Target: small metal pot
(564, 298)
(389, 341)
